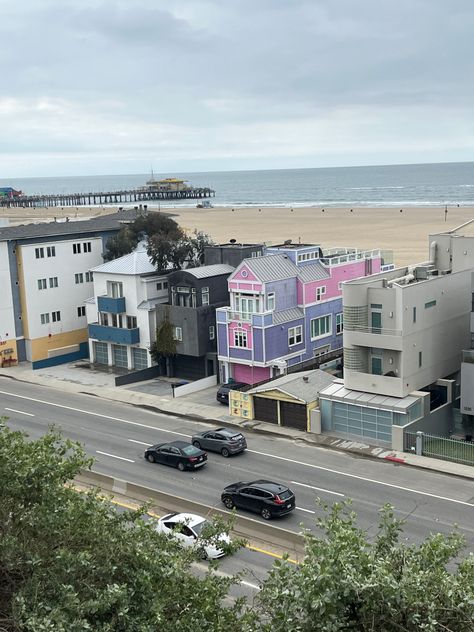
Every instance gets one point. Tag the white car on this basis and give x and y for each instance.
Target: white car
(187, 528)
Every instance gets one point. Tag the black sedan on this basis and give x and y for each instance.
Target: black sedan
(223, 440)
(178, 454)
(264, 497)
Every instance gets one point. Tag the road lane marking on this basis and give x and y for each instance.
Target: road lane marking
(114, 456)
(254, 586)
(319, 489)
(140, 442)
(21, 412)
(306, 510)
(271, 456)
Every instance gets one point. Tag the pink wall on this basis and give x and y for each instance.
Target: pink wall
(248, 328)
(245, 287)
(249, 374)
(243, 274)
(338, 274)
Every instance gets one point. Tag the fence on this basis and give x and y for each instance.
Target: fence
(439, 447)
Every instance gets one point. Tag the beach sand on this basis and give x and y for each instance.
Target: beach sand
(405, 232)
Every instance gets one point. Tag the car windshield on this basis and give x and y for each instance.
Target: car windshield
(198, 528)
(190, 450)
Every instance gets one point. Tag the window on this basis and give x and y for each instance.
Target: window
(320, 327)
(39, 253)
(376, 305)
(430, 304)
(320, 292)
(104, 319)
(212, 332)
(81, 311)
(240, 338)
(339, 324)
(165, 285)
(89, 277)
(247, 304)
(339, 285)
(271, 301)
(114, 289)
(308, 256)
(205, 295)
(159, 286)
(414, 314)
(51, 251)
(87, 246)
(420, 358)
(56, 317)
(44, 319)
(183, 289)
(41, 284)
(79, 277)
(76, 249)
(177, 334)
(53, 281)
(295, 335)
(117, 320)
(131, 322)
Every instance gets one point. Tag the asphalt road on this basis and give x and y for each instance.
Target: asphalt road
(116, 435)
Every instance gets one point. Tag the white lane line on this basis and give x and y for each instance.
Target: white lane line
(89, 412)
(306, 510)
(319, 489)
(271, 456)
(254, 586)
(21, 412)
(140, 442)
(363, 478)
(114, 456)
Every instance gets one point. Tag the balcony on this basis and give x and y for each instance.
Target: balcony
(117, 335)
(379, 337)
(259, 319)
(111, 305)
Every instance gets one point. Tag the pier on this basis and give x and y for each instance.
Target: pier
(111, 197)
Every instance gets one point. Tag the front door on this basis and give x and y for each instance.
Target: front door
(376, 322)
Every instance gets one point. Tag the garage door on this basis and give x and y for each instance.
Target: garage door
(293, 415)
(265, 409)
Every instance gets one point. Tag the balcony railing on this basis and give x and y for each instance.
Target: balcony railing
(336, 256)
(373, 330)
(117, 335)
(111, 305)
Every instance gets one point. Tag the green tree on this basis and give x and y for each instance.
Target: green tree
(69, 562)
(348, 582)
(163, 349)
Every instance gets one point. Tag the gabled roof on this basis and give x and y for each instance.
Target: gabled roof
(137, 262)
(209, 271)
(312, 272)
(304, 386)
(271, 267)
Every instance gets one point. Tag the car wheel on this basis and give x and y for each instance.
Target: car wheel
(266, 513)
(228, 502)
(150, 458)
(225, 452)
(197, 445)
(180, 466)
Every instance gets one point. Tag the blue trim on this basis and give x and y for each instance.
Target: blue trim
(62, 359)
(118, 335)
(111, 305)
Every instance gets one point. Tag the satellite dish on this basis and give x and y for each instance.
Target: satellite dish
(287, 242)
(232, 241)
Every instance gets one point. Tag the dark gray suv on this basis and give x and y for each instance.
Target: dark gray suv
(223, 440)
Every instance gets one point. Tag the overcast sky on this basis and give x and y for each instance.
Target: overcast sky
(112, 87)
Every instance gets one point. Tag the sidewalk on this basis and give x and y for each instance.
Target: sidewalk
(75, 379)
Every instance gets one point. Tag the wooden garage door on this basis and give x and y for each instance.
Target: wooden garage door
(293, 415)
(265, 409)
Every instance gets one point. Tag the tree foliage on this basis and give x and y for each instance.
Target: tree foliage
(163, 348)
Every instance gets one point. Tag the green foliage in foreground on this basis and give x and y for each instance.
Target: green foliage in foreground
(70, 563)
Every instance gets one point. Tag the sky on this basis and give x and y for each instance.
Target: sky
(95, 87)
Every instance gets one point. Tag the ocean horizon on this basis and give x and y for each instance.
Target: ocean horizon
(432, 184)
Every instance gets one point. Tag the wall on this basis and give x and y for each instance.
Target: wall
(230, 254)
(249, 374)
(7, 311)
(194, 387)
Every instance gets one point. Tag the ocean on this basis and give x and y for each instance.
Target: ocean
(392, 185)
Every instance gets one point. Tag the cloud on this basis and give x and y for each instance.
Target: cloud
(233, 84)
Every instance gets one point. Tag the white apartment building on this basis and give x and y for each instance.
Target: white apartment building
(121, 315)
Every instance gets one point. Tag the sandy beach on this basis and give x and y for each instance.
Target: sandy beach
(403, 231)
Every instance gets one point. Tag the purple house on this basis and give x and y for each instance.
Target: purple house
(286, 307)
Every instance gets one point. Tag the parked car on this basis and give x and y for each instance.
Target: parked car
(222, 395)
(188, 529)
(178, 454)
(223, 440)
(264, 497)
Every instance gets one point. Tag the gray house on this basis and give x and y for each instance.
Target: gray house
(193, 295)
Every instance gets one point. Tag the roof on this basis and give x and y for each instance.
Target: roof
(337, 392)
(287, 315)
(66, 229)
(295, 385)
(312, 272)
(137, 262)
(150, 303)
(272, 267)
(209, 271)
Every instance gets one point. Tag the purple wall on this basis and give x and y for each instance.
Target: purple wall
(285, 293)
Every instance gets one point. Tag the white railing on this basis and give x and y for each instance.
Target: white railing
(373, 330)
(336, 256)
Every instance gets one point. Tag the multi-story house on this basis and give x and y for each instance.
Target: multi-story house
(121, 315)
(285, 308)
(404, 334)
(232, 253)
(44, 280)
(194, 294)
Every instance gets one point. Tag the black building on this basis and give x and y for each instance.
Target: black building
(232, 253)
